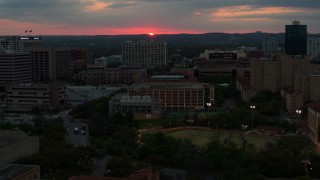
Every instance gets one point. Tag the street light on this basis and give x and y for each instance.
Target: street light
(298, 111)
(208, 105)
(252, 108)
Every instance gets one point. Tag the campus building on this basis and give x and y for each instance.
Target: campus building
(14, 68)
(313, 121)
(174, 92)
(113, 76)
(146, 54)
(25, 97)
(297, 78)
(123, 103)
(313, 47)
(296, 39)
(269, 46)
(50, 64)
(19, 43)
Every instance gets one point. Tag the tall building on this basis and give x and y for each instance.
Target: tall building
(49, 63)
(15, 68)
(296, 39)
(313, 47)
(148, 54)
(19, 43)
(269, 46)
(265, 75)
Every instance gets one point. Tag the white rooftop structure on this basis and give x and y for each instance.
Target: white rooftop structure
(80, 94)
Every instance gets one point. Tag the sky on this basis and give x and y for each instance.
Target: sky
(112, 17)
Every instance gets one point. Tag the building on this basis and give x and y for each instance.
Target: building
(79, 59)
(110, 61)
(16, 144)
(123, 103)
(15, 68)
(112, 76)
(174, 93)
(20, 172)
(269, 46)
(50, 64)
(313, 47)
(265, 75)
(296, 39)
(19, 43)
(146, 54)
(313, 121)
(25, 97)
(81, 94)
(227, 55)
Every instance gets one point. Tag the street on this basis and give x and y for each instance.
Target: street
(77, 139)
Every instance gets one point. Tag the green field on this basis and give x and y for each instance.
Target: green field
(202, 137)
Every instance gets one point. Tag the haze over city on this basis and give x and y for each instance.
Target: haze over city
(111, 17)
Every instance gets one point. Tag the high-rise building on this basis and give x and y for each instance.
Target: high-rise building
(296, 39)
(313, 47)
(50, 64)
(269, 46)
(148, 54)
(15, 68)
(19, 43)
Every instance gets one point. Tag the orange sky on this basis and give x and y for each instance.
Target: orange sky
(92, 17)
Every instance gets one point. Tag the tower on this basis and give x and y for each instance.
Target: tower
(296, 39)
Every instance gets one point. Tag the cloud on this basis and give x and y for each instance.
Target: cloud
(182, 15)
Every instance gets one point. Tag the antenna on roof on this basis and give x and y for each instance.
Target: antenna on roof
(295, 22)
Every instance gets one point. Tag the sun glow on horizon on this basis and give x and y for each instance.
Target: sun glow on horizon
(151, 34)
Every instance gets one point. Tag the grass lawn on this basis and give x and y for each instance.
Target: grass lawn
(202, 137)
(145, 123)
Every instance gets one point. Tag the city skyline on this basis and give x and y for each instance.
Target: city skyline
(113, 17)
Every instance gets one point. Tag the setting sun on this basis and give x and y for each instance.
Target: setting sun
(151, 34)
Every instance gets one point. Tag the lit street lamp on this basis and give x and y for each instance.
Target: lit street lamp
(252, 108)
(298, 111)
(208, 105)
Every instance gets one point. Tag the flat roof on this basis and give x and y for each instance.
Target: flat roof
(129, 99)
(167, 85)
(8, 137)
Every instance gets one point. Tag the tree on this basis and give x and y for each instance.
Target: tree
(119, 167)
(285, 157)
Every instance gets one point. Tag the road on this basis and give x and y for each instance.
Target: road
(77, 139)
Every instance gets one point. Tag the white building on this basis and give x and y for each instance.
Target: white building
(81, 94)
(313, 47)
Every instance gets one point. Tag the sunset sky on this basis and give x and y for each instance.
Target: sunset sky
(103, 17)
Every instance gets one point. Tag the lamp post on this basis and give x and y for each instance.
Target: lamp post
(298, 111)
(252, 108)
(208, 105)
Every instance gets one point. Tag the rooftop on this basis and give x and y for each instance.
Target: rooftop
(10, 137)
(128, 99)
(14, 170)
(167, 85)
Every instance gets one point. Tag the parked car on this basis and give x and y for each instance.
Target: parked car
(76, 130)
